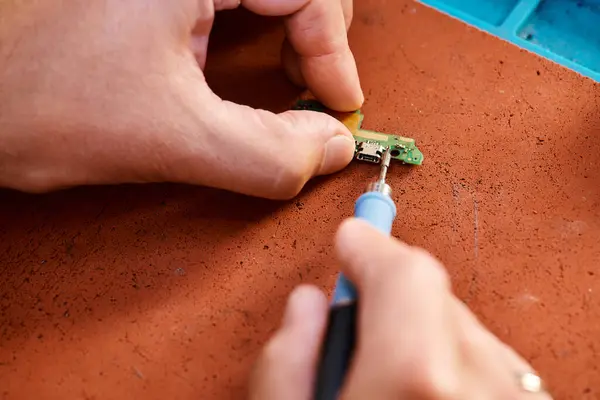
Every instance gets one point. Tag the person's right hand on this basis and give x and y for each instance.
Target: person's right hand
(416, 340)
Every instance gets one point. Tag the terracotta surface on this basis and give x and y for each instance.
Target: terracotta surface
(167, 291)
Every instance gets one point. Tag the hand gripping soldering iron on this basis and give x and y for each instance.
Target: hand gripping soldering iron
(376, 207)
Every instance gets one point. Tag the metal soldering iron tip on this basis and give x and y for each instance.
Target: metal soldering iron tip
(385, 164)
(380, 185)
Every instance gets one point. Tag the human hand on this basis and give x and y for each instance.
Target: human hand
(103, 92)
(416, 340)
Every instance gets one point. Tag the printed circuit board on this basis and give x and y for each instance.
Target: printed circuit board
(370, 145)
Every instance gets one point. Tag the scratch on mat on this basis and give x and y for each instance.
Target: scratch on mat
(138, 373)
(475, 247)
(475, 227)
(456, 197)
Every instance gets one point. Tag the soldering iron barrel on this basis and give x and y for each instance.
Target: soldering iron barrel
(340, 339)
(376, 208)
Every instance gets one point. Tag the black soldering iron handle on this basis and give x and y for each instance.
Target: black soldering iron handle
(337, 351)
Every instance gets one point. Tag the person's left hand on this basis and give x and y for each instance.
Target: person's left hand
(105, 91)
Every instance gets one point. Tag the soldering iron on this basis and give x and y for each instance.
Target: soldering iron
(377, 208)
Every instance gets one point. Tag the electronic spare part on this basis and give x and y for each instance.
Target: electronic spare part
(370, 145)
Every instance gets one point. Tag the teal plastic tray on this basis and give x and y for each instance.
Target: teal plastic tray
(564, 31)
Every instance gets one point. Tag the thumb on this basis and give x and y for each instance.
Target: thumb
(257, 152)
(286, 367)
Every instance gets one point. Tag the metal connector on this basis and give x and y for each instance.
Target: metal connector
(369, 151)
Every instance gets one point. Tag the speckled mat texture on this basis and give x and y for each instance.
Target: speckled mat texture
(169, 291)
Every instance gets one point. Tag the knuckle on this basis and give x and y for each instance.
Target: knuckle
(424, 267)
(289, 180)
(293, 172)
(294, 162)
(34, 182)
(346, 234)
(473, 340)
(273, 351)
(280, 354)
(430, 381)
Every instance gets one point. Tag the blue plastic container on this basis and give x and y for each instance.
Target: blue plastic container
(564, 31)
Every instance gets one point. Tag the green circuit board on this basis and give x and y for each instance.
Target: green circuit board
(370, 145)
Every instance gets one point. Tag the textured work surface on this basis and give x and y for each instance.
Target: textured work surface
(168, 291)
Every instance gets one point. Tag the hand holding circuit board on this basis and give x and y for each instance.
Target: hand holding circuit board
(370, 145)
(151, 116)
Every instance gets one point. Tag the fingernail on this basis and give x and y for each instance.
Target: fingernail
(339, 151)
(362, 98)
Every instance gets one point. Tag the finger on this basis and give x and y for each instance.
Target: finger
(496, 367)
(291, 60)
(521, 376)
(221, 5)
(285, 369)
(254, 152)
(516, 366)
(348, 8)
(201, 30)
(406, 340)
(316, 29)
(318, 35)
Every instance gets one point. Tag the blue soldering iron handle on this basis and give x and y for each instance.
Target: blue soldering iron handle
(337, 350)
(379, 210)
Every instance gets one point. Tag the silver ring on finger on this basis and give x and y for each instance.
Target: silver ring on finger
(530, 382)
